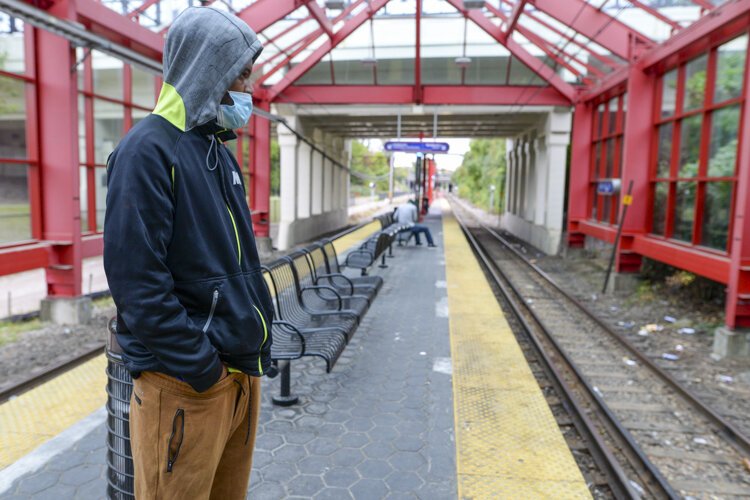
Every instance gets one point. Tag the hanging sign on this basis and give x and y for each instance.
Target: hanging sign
(608, 187)
(417, 147)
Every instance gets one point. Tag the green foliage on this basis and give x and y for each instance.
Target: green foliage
(483, 166)
(275, 167)
(371, 167)
(11, 91)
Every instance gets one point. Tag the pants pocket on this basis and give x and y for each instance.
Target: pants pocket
(175, 438)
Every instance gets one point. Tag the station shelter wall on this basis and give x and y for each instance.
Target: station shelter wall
(112, 97)
(694, 166)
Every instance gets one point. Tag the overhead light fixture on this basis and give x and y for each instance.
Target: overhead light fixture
(463, 61)
(369, 61)
(335, 4)
(473, 4)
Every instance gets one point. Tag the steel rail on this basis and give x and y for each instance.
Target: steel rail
(620, 483)
(50, 373)
(735, 435)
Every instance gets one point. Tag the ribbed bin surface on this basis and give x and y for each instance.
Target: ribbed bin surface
(119, 457)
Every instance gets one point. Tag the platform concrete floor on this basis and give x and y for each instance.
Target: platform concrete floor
(380, 425)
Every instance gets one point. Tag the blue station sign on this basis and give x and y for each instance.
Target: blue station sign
(417, 147)
(608, 187)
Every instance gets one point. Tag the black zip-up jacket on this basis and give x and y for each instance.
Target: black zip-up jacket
(180, 256)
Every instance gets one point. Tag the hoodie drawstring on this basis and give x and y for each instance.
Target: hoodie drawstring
(215, 148)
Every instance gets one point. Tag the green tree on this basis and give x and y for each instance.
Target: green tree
(483, 166)
(368, 166)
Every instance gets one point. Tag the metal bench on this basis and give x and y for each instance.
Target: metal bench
(368, 253)
(296, 334)
(321, 296)
(321, 274)
(361, 283)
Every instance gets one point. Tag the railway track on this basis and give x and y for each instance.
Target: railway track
(50, 372)
(651, 436)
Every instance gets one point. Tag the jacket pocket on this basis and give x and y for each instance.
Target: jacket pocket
(175, 439)
(214, 301)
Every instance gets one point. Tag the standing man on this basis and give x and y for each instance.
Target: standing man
(407, 214)
(193, 311)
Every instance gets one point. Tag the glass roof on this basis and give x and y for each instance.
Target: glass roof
(452, 50)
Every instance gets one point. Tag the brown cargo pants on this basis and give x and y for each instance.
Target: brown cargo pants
(193, 445)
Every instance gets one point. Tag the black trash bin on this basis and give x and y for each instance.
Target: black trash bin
(119, 456)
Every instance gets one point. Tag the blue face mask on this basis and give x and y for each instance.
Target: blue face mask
(236, 115)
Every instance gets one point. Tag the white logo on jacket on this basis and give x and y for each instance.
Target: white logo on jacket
(236, 178)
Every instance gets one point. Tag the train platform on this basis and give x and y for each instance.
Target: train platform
(431, 399)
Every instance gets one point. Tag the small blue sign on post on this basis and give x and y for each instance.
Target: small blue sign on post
(608, 187)
(417, 147)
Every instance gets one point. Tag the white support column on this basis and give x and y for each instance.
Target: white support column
(558, 138)
(304, 181)
(317, 175)
(327, 174)
(541, 170)
(288, 158)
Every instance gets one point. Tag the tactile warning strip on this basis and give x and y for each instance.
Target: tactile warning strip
(508, 444)
(43, 412)
(346, 242)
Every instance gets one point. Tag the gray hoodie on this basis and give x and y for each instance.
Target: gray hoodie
(202, 57)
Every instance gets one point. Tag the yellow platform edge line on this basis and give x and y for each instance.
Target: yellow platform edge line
(45, 411)
(508, 444)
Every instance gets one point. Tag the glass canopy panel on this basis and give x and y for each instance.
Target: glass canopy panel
(543, 58)
(520, 74)
(442, 42)
(683, 12)
(320, 74)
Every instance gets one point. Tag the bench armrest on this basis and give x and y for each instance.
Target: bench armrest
(330, 277)
(322, 287)
(361, 252)
(293, 329)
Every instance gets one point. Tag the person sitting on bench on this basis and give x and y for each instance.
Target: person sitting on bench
(407, 214)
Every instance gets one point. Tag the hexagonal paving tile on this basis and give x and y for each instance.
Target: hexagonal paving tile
(305, 485)
(291, 453)
(81, 474)
(322, 446)
(40, 481)
(366, 489)
(375, 469)
(314, 465)
(406, 460)
(378, 450)
(347, 457)
(333, 494)
(279, 472)
(341, 477)
(404, 481)
(359, 424)
(354, 440)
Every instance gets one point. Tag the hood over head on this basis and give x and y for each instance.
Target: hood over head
(205, 51)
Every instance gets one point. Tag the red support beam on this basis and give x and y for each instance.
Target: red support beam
(636, 164)
(119, 29)
(537, 66)
(260, 172)
(349, 27)
(724, 22)
(418, 54)
(512, 21)
(738, 292)
(578, 185)
(594, 24)
(263, 13)
(567, 38)
(320, 17)
(658, 15)
(23, 258)
(431, 94)
(57, 96)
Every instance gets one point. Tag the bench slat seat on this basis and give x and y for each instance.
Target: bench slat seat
(290, 308)
(290, 342)
(360, 282)
(322, 296)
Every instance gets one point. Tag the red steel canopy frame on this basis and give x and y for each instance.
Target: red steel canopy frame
(633, 67)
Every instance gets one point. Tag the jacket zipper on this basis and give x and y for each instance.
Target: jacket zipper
(265, 337)
(214, 301)
(176, 433)
(236, 235)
